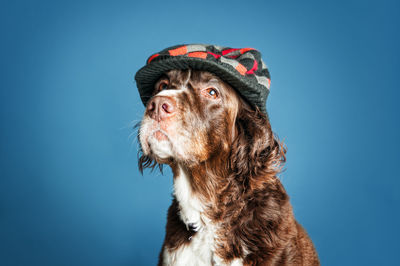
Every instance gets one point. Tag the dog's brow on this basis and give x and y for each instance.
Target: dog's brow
(213, 81)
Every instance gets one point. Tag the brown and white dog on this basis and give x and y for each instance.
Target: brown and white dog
(229, 207)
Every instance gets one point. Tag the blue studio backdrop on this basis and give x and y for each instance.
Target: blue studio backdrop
(70, 189)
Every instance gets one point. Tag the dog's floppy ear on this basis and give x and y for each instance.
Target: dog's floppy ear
(257, 154)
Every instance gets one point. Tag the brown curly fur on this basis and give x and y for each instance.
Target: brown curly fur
(239, 182)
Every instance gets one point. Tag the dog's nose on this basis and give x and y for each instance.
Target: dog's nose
(161, 107)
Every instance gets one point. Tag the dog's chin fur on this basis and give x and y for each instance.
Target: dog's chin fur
(161, 150)
(164, 151)
(229, 207)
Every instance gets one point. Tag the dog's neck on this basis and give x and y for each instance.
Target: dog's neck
(198, 190)
(189, 204)
(203, 191)
(193, 202)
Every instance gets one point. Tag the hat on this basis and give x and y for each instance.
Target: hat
(242, 68)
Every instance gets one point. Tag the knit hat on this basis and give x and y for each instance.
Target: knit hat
(242, 68)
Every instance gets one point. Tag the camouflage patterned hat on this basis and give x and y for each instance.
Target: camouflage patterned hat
(242, 68)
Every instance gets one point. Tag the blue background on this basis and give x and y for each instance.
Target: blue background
(70, 191)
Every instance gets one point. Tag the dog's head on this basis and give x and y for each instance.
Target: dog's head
(189, 118)
(194, 117)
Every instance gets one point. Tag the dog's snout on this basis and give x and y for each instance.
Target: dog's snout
(161, 107)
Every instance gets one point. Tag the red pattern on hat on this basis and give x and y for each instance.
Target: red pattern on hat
(254, 68)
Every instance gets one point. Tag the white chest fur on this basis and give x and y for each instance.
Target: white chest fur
(200, 250)
(191, 208)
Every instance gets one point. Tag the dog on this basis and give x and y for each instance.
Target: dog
(228, 207)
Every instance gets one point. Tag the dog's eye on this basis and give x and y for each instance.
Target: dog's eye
(163, 86)
(211, 92)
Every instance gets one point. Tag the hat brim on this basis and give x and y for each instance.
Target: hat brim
(148, 75)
